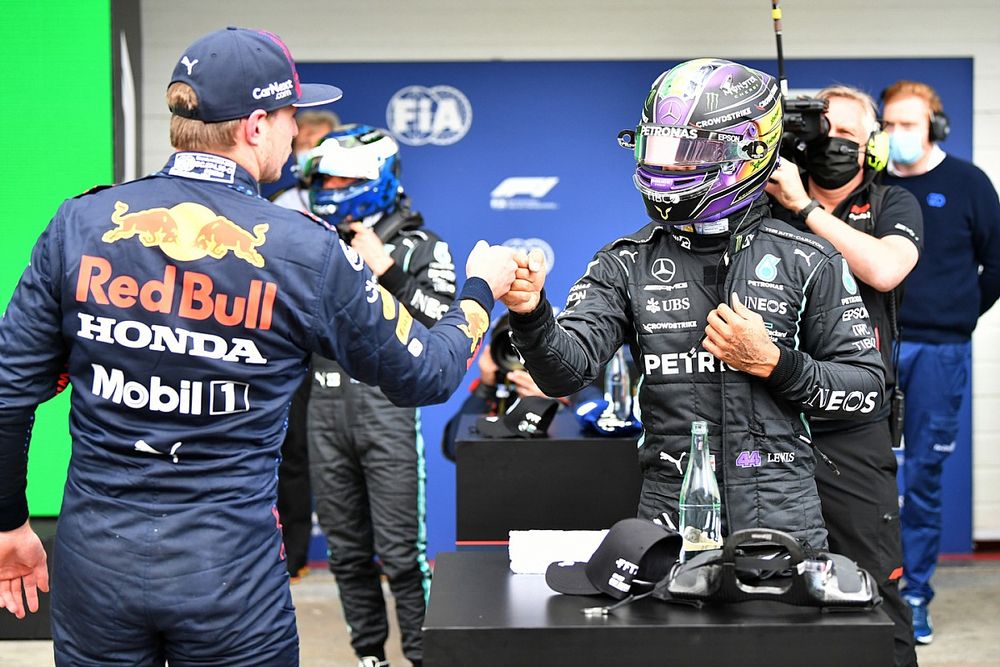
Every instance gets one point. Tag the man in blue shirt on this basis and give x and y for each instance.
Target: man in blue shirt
(956, 280)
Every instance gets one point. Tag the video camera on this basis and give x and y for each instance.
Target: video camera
(804, 122)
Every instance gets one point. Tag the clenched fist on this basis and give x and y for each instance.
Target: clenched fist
(494, 264)
(526, 291)
(737, 336)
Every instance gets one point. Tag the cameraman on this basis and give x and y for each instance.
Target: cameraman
(366, 455)
(878, 230)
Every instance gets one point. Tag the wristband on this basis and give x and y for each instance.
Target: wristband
(808, 208)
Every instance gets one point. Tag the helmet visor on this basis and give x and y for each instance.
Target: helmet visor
(677, 146)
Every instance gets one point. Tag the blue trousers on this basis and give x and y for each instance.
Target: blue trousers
(143, 603)
(934, 378)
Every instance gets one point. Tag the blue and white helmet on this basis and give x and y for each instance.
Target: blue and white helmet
(360, 152)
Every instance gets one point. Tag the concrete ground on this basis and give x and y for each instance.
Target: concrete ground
(966, 616)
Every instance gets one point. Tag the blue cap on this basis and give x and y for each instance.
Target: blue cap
(236, 71)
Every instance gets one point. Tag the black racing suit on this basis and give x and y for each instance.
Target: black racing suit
(367, 459)
(184, 308)
(653, 290)
(861, 503)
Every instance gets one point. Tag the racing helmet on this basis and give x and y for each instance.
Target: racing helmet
(358, 152)
(707, 141)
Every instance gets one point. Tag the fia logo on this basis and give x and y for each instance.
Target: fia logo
(767, 268)
(440, 115)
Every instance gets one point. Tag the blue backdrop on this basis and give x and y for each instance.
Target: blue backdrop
(527, 150)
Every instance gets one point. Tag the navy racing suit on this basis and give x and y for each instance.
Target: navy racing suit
(184, 308)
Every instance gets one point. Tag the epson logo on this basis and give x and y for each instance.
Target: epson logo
(763, 305)
(274, 89)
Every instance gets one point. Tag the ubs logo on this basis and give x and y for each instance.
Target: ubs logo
(663, 269)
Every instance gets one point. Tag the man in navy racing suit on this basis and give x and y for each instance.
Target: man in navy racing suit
(183, 308)
(776, 307)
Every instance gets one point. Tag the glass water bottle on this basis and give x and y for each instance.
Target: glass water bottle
(700, 504)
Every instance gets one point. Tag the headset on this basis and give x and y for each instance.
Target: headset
(940, 127)
(877, 150)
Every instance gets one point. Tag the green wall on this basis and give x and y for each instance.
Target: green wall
(56, 142)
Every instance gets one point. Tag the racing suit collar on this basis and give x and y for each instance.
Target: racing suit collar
(213, 169)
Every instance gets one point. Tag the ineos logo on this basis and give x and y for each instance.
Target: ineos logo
(663, 269)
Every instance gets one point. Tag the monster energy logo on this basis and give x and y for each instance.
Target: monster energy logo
(711, 101)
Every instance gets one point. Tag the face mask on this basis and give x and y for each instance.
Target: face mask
(832, 162)
(905, 147)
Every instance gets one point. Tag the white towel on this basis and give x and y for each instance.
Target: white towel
(531, 551)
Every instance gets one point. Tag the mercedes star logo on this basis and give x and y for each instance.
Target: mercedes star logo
(669, 112)
(663, 269)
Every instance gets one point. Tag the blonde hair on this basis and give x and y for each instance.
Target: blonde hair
(871, 123)
(917, 89)
(316, 117)
(188, 134)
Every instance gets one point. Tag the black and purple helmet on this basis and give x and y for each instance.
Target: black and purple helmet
(707, 142)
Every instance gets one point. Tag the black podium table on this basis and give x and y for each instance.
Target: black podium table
(481, 614)
(567, 481)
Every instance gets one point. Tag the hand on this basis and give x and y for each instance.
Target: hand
(785, 185)
(526, 291)
(523, 384)
(367, 244)
(22, 559)
(738, 337)
(494, 264)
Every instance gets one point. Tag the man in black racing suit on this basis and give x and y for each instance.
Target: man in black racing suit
(366, 454)
(776, 306)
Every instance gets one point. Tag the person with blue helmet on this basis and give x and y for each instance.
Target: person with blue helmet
(366, 454)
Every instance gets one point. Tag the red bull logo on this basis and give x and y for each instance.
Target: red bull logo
(477, 323)
(187, 231)
(188, 294)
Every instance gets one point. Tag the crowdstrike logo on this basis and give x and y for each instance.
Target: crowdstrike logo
(523, 193)
(440, 115)
(275, 89)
